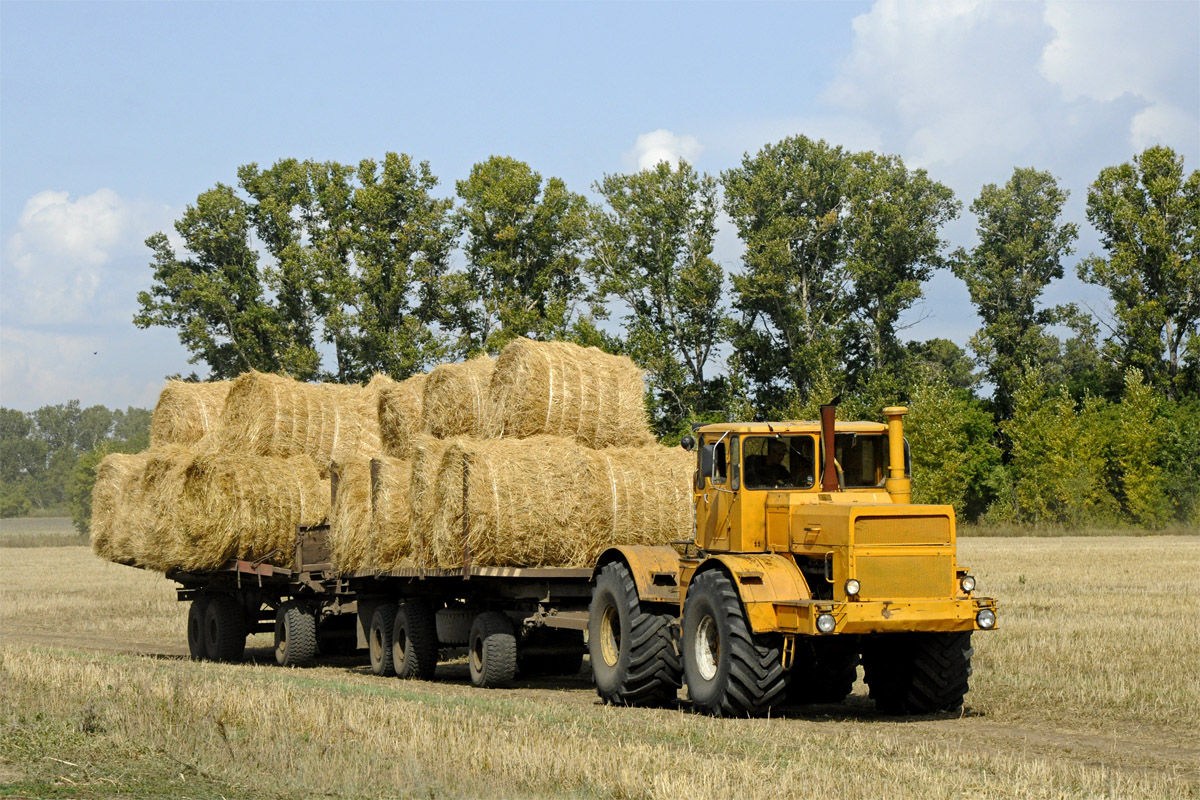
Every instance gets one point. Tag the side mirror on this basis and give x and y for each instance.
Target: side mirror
(688, 443)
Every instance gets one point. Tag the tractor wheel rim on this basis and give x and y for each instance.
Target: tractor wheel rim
(707, 648)
(610, 636)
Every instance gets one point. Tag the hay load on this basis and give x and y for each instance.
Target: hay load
(187, 411)
(562, 389)
(116, 484)
(391, 540)
(645, 496)
(427, 452)
(400, 421)
(269, 415)
(455, 400)
(350, 515)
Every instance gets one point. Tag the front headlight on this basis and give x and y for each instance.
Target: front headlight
(826, 623)
(968, 584)
(986, 619)
(852, 587)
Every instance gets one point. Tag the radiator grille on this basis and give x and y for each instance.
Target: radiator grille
(902, 530)
(885, 577)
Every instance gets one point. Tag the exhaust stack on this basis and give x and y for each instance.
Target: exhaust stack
(829, 477)
(897, 485)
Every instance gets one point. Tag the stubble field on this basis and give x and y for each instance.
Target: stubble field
(1091, 688)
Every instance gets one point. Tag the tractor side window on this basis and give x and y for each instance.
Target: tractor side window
(720, 464)
(862, 459)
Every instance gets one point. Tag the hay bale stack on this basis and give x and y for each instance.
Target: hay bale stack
(391, 540)
(644, 497)
(269, 415)
(427, 453)
(399, 407)
(562, 389)
(154, 533)
(186, 412)
(454, 401)
(235, 506)
(116, 485)
(350, 515)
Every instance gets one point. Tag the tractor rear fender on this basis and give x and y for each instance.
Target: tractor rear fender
(761, 582)
(655, 570)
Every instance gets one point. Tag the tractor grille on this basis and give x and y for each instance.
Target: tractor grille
(902, 530)
(885, 577)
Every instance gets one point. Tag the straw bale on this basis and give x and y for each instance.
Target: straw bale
(392, 542)
(113, 496)
(154, 534)
(399, 407)
(427, 453)
(350, 515)
(644, 497)
(269, 415)
(187, 411)
(455, 398)
(562, 389)
(235, 506)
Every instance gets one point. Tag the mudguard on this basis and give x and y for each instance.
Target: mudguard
(762, 581)
(655, 570)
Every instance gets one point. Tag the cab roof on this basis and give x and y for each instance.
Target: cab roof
(792, 426)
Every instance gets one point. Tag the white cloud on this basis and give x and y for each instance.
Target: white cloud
(662, 145)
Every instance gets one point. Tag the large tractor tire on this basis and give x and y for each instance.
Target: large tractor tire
(824, 670)
(195, 627)
(414, 640)
(492, 650)
(379, 639)
(729, 671)
(918, 673)
(295, 636)
(224, 629)
(633, 655)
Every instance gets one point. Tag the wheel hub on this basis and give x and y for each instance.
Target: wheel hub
(707, 648)
(610, 636)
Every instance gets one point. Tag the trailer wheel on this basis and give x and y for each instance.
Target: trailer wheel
(224, 629)
(492, 650)
(295, 636)
(414, 640)
(825, 669)
(918, 673)
(379, 640)
(730, 672)
(195, 627)
(634, 661)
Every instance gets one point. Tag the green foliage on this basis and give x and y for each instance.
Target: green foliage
(653, 251)
(1148, 215)
(1138, 448)
(1020, 250)
(1180, 460)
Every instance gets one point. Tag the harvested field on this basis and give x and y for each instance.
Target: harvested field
(187, 412)
(562, 389)
(1074, 697)
(454, 401)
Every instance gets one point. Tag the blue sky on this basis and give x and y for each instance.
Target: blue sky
(114, 116)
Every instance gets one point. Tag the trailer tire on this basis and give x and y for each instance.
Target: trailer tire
(824, 671)
(730, 672)
(634, 660)
(224, 629)
(918, 673)
(195, 627)
(379, 639)
(295, 636)
(414, 640)
(492, 650)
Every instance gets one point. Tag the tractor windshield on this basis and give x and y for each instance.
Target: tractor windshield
(779, 462)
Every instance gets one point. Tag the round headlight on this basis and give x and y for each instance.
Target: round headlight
(968, 584)
(826, 623)
(852, 587)
(986, 619)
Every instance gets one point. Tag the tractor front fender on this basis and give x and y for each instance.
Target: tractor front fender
(762, 582)
(655, 570)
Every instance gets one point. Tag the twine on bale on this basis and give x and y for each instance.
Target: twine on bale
(427, 452)
(350, 516)
(562, 389)
(186, 411)
(391, 537)
(113, 505)
(455, 399)
(400, 420)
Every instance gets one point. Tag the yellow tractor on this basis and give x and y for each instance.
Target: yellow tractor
(808, 558)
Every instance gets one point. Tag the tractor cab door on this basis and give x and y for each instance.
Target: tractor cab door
(716, 490)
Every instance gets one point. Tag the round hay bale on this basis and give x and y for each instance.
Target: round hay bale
(400, 421)
(269, 415)
(154, 531)
(235, 506)
(427, 452)
(392, 543)
(644, 496)
(455, 398)
(186, 411)
(562, 389)
(350, 516)
(113, 497)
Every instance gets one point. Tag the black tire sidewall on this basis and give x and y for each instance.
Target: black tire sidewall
(197, 614)
(608, 678)
(702, 601)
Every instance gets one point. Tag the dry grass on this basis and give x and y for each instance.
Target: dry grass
(562, 389)
(40, 532)
(454, 401)
(1089, 690)
(187, 412)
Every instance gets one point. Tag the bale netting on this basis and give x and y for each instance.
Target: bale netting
(427, 453)
(269, 415)
(454, 401)
(399, 407)
(644, 496)
(350, 515)
(187, 411)
(562, 389)
(235, 506)
(391, 540)
(113, 498)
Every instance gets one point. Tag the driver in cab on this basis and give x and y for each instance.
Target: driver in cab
(769, 470)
